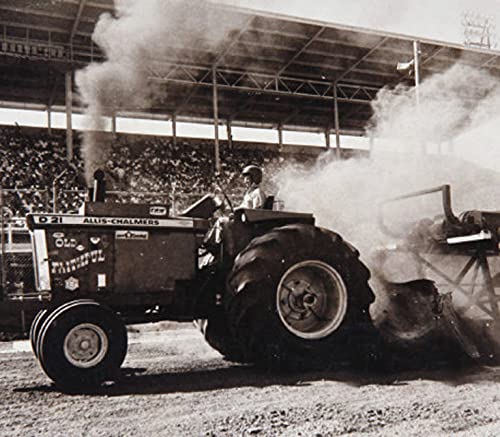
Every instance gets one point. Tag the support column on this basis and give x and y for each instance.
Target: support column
(416, 60)
(336, 120)
(69, 111)
(327, 138)
(229, 134)
(416, 66)
(280, 137)
(113, 125)
(216, 119)
(49, 119)
(174, 130)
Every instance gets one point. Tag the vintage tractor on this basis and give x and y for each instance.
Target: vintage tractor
(269, 287)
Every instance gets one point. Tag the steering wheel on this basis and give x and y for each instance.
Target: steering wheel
(226, 197)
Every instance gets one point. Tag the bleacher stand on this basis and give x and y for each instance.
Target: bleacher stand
(31, 160)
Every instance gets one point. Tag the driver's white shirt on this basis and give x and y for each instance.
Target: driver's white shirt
(254, 198)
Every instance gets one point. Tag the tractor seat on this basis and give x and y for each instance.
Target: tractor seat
(268, 203)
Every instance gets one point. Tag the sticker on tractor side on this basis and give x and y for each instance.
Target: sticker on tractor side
(132, 235)
(101, 280)
(158, 210)
(81, 261)
(71, 283)
(67, 243)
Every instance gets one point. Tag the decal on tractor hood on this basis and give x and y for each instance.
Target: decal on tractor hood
(81, 261)
(68, 243)
(132, 235)
(71, 283)
(111, 221)
(158, 210)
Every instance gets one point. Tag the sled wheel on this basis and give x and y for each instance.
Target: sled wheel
(82, 345)
(298, 298)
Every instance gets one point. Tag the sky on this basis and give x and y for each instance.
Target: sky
(430, 19)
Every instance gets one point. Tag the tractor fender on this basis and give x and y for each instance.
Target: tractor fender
(265, 215)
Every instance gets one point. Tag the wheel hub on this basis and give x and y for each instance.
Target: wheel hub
(311, 299)
(85, 345)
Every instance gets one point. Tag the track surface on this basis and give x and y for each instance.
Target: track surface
(175, 385)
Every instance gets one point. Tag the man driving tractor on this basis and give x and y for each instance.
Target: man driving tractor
(254, 195)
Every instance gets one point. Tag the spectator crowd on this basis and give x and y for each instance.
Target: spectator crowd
(35, 171)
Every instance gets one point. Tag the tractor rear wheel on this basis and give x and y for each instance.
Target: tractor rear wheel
(217, 334)
(82, 344)
(298, 298)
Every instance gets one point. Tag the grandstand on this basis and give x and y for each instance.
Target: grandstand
(275, 72)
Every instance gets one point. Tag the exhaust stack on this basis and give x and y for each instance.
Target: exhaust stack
(98, 191)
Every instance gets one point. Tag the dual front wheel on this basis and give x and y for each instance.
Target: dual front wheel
(79, 344)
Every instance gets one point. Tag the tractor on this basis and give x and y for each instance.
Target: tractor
(266, 287)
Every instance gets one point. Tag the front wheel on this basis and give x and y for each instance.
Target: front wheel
(298, 298)
(35, 329)
(82, 345)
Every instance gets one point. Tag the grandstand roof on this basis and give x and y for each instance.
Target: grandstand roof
(274, 70)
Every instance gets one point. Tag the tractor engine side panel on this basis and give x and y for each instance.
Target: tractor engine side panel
(153, 261)
(80, 259)
(121, 261)
(80, 256)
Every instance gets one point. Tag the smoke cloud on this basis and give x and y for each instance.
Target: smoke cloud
(456, 108)
(346, 195)
(137, 40)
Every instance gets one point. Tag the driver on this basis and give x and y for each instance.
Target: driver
(254, 198)
(254, 195)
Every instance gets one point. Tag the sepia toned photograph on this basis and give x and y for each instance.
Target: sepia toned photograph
(236, 218)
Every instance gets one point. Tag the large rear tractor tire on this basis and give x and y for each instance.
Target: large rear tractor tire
(217, 334)
(81, 345)
(298, 299)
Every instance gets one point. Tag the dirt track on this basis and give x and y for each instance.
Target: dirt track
(175, 385)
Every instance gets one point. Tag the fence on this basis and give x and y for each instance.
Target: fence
(71, 200)
(18, 202)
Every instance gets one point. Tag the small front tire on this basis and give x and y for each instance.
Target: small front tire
(82, 345)
(36, 324)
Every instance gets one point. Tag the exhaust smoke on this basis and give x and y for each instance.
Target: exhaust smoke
(346, 195)
(139, 40)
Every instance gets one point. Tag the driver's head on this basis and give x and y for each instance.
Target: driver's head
(252, 174)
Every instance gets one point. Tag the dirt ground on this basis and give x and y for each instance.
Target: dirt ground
(173, 384)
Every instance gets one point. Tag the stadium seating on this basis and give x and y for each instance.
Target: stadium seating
(141, 168)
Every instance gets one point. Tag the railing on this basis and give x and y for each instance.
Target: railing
(177, 202)
(17, 202)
